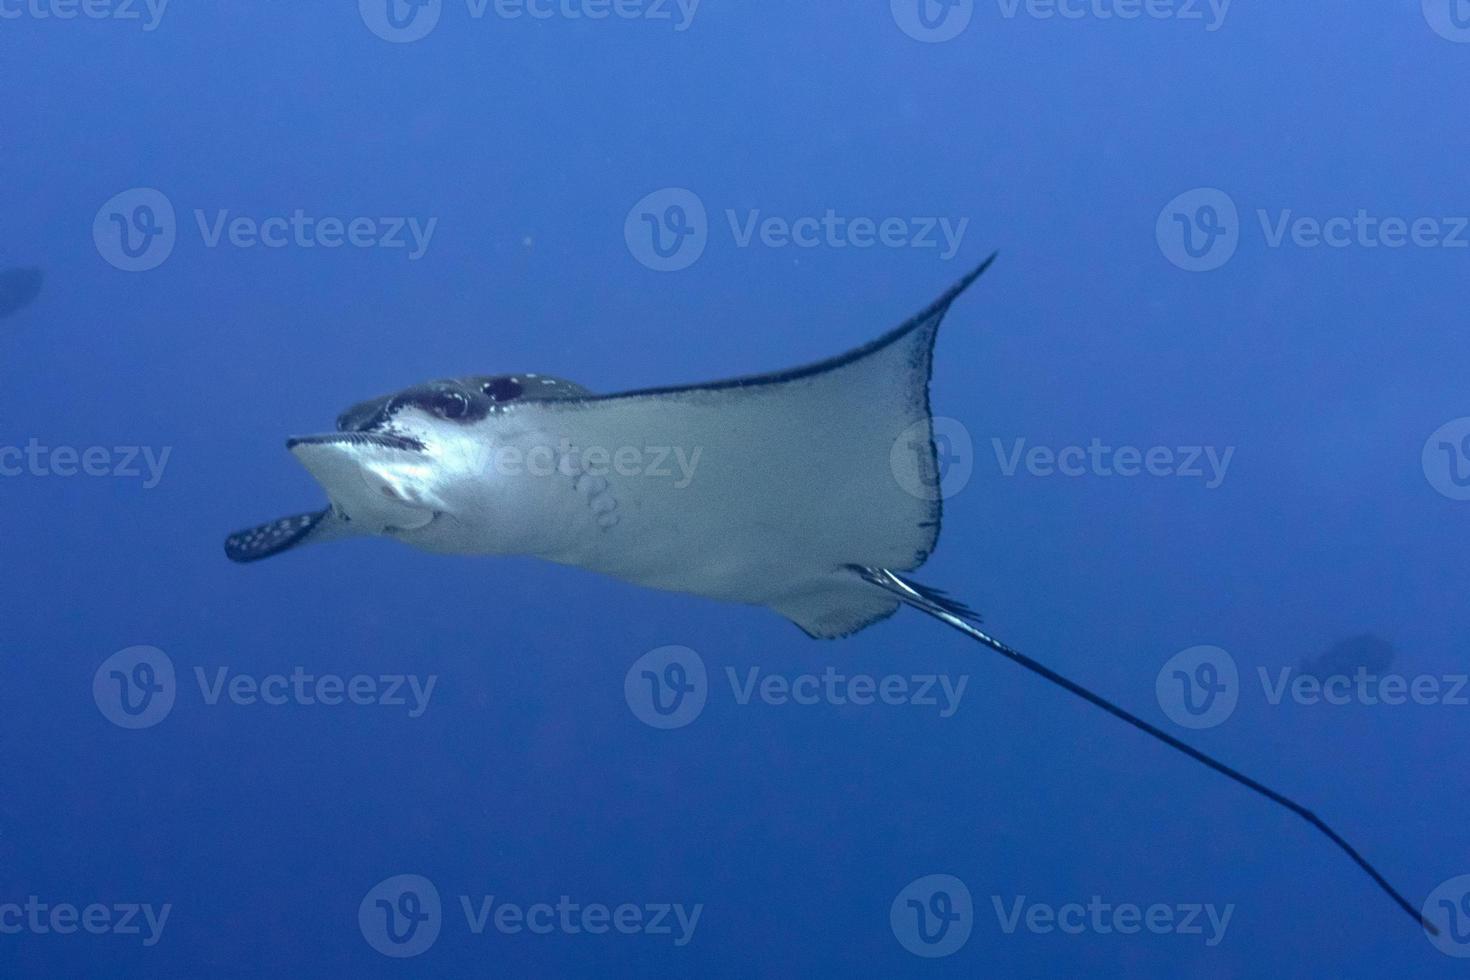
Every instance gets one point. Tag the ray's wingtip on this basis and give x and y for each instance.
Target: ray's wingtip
(943, 303)
(979, 270)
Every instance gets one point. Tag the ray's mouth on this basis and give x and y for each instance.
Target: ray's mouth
(380, 481)
(384, 440)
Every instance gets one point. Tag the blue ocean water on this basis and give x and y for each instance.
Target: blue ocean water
(1207, 419)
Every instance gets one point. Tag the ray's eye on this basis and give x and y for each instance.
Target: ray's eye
(502, 389)
(447, 404)
(444, 403)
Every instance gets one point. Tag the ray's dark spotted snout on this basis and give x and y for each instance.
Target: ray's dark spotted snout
(273, 538)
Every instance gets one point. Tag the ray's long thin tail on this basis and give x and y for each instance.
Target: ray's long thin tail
(957, 616)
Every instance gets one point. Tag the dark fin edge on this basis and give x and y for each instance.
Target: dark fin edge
(932, 313)
(844, 635)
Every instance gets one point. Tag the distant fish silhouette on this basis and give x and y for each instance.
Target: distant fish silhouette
(1372, 653)
(18, 289)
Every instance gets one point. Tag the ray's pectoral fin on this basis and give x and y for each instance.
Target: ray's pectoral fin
(285, 533)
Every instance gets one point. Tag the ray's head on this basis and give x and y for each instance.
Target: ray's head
(458, 402)
(392, 464)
